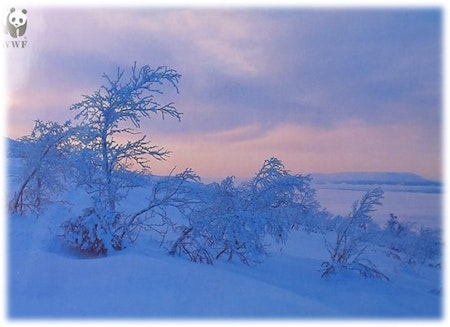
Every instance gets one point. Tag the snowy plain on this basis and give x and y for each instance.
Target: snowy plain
(47, 281)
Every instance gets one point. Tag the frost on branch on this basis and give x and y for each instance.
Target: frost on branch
(282, 201)
(238, 222)
(410, 244)
(44, 155)
(221, 228)
(112, 113)
(346, 253)
(174, 192)
(90, 233)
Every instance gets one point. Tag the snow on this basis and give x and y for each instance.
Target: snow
(46, 280)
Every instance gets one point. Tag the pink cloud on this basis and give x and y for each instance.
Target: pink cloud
(351, 146)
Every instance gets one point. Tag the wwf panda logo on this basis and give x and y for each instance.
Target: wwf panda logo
(16, 22)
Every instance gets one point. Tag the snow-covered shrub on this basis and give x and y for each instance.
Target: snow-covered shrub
(346, 253)
(428, 245)
(89, 233)
(221, 228)
(44, 156)
(170, 195)
(282, 201)
(191, 246)
(237, 222)
(408, 244)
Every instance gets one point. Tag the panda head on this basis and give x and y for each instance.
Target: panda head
(17, 18)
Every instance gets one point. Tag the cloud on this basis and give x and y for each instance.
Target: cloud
(351, 146)
(231, 41)
(331, 64)
(255, 83)
(353, 63)
(38, 103)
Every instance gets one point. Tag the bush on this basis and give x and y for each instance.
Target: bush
(88, 233)
(346, 252)
(222, 228)
(238, 221)
(45, 168)
(94, 232)
(408, 244)
(282, 201)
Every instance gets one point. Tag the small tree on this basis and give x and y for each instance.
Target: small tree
(110, 113)
(237, 222)
(346, 252)
(44, 156)
(283, 201)
(222, 228)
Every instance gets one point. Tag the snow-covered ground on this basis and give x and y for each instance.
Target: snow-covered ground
(48, 281)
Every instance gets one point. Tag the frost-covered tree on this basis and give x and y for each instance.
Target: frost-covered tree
(222, 228)
(177, 192)
(114, 110)
(238, 222)
(44, 167)
(281, 200)
(346, 252)
(107, 118)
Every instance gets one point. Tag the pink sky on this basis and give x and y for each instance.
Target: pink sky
(323, 90)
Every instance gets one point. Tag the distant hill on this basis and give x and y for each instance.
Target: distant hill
(373, 178)
(407, 182)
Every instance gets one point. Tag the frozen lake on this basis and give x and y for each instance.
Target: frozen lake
(422, 208)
